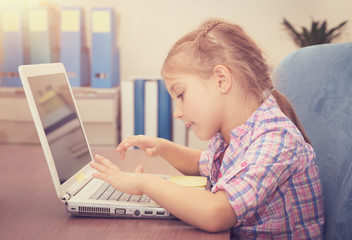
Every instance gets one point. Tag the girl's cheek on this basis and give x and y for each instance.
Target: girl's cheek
(190, 109)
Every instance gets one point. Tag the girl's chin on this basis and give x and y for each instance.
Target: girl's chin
(202, 136)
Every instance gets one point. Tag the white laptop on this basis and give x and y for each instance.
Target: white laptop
(67, 151)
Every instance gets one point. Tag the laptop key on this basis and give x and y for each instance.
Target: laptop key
(107, 193)
(134, 198)
(125, 197)
(115, 196)
(100, 191)
(144, 199)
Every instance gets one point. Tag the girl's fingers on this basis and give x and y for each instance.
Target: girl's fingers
(104, 161)
(104, 165)
(122, 148)
(102, 176)
(133, 141)
(139, 169)
(121, 151)
(151, 152)
(100, 168)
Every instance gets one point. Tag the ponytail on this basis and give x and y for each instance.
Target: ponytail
(288, 110)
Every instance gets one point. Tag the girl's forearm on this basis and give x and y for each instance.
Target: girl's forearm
(183, 158)
(203, 209)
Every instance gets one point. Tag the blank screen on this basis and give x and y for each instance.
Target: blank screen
(62, 128)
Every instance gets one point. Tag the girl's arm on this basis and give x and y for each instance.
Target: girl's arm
(208, 211)
(203, 209)
(184, 159)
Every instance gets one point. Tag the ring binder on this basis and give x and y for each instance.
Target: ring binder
(74, 53)
(105, 70)
(12, 46)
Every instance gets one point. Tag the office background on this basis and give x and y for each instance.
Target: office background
(145, 30)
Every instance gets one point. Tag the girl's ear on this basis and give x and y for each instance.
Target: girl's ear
(223, 78)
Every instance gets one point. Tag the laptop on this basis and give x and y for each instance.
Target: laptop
(67, 151)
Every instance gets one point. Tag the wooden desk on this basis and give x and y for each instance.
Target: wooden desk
(30, 209)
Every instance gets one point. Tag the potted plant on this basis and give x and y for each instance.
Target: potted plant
(317, 34)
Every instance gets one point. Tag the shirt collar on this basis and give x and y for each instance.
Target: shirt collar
(218, 146)
(241, 130)
(218, 143)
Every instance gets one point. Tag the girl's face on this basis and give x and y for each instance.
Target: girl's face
(198, 104)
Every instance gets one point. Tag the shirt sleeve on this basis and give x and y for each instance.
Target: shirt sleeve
(205, 163)
(267, 162)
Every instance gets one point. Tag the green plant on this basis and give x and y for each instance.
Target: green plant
(318, 33)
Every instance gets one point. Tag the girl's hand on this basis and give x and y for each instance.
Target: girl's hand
(123, 181)
(150, 145)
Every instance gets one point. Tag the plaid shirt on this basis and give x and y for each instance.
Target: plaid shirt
(270, 177)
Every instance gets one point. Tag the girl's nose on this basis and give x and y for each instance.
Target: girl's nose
(178, 113)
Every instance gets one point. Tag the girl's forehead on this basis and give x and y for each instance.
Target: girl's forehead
(183, 81)
(172, 82)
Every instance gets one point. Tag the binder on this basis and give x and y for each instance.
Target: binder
(164, 112)
(179, 131)
(146, 109)
(1, 54)
(151, 108)
(74, 53)
(139, 94)
(42, 42)
(12, 46)
(105, 72)
(127, 108)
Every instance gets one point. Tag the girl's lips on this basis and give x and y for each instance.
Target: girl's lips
(188, 125)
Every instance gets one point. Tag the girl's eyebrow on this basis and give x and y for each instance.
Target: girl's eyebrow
(174, 86)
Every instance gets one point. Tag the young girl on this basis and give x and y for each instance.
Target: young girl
(261, 167)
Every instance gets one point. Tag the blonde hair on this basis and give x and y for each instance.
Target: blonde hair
(219, 42)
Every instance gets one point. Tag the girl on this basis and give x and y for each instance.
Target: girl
(260, 164)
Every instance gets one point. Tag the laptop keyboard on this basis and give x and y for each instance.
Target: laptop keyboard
(107, 192)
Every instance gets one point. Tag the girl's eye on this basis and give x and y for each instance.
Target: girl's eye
(180, 96)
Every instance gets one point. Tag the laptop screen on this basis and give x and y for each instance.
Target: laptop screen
(62, 127)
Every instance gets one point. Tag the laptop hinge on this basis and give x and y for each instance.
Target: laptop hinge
(66, 197)
(76, 187)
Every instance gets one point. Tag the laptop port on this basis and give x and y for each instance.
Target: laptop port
(120, 211)
(148, 212)
(160, 213)
(137, 213)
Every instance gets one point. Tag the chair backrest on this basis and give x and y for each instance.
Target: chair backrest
(318, 82)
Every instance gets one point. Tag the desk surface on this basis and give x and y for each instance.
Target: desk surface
(30, 209)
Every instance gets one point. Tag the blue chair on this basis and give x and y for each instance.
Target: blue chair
(318, 82)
